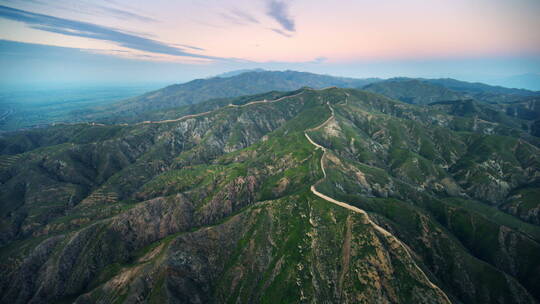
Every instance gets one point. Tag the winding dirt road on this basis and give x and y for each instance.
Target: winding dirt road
(378, 228)
(227, 106)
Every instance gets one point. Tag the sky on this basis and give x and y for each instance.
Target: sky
(129, 41)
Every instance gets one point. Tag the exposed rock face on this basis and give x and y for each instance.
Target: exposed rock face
(524, 204)
(112, 170)
(216, 207)
(209, 266)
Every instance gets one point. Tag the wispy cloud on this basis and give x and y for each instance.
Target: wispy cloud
(90, 8)
(279, 11)
(276, 9)
(282, 33)
(94, 31)
(244, 16)
(239, 17)
(124, 14)
(189, 47)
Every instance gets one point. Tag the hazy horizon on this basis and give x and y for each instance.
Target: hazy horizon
(42, 85)
(173, 42)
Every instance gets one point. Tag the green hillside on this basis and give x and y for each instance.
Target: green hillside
(338, 195)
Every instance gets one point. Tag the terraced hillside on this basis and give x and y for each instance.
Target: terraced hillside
(334, 195)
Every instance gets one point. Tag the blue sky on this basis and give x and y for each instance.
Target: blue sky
(124, 41)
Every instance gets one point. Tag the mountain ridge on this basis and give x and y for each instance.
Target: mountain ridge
(247, 83)
(253, 82)
(147, 106)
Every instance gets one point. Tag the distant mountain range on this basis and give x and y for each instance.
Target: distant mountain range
(425, 91)
(229, 85)
(238, 83)
(181, 98)
(414, 91)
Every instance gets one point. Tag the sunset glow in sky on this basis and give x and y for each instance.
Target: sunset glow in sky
(199, 37)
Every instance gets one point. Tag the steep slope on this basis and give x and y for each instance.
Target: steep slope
(440, 174)
(112, 167)
(526, 109)
(26, 140)
(317, 196)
